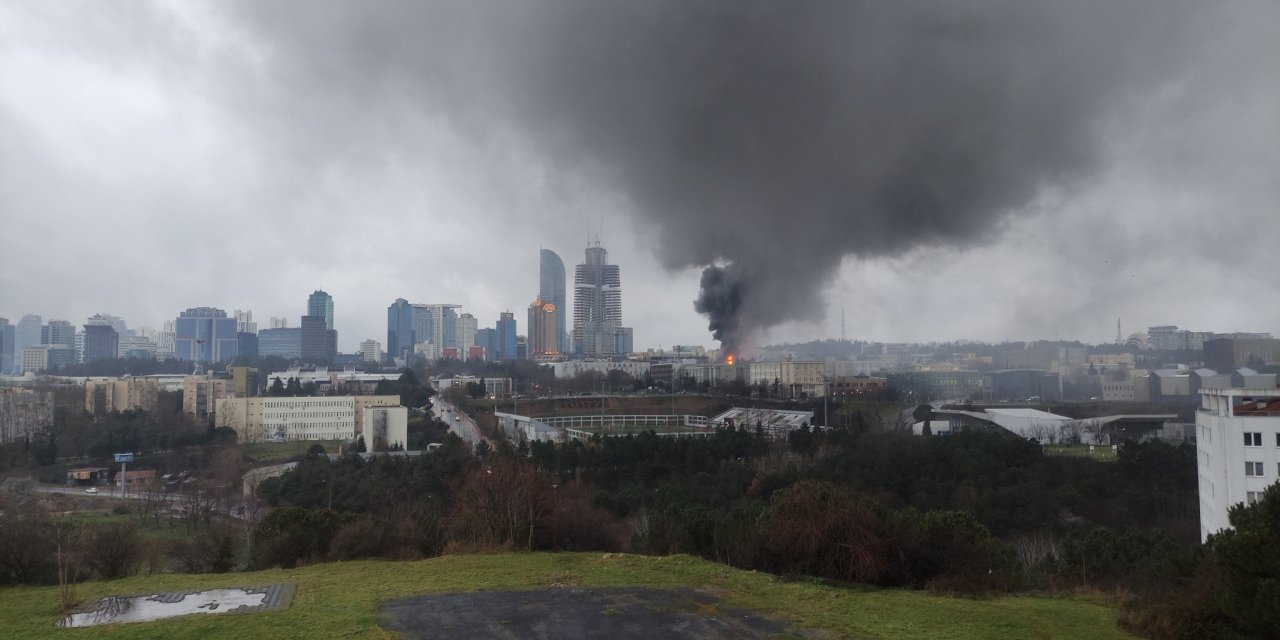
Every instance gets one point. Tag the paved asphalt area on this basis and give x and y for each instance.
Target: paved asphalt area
(578, 613)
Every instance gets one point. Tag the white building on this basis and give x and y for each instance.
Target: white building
(371, 351)
(1117, 391)
(1237, 450)
(574, 368)
(304, 418)
(385, 428)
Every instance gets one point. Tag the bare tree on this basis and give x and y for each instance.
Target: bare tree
(69, 534)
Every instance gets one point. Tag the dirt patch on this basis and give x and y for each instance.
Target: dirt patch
(580, 613)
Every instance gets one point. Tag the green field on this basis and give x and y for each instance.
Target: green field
(1100, 452)
(266, 453)
(341, 599)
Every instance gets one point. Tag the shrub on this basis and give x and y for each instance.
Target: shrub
(113, 550)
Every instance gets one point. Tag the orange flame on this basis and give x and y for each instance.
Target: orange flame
(729, 359)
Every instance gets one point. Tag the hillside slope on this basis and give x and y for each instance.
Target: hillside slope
(341, 599)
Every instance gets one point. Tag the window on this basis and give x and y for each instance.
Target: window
(1278, 439)
(1252, 496)
(1252, 439)
(1253, 469)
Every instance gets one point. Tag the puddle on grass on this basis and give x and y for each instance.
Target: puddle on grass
(180, 603)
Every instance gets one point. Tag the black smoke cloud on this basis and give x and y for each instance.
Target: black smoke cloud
(765, 141)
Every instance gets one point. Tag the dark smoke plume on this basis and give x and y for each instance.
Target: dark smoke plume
(773, 138)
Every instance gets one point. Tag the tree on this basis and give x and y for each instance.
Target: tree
(360, 445)
(1249, 559)
(277, 388)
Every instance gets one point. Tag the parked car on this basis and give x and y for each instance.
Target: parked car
(91, 490)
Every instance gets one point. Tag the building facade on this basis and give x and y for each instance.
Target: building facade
(201, 393)
(319, 343)
(1237, 450)
(506, 336)
(101, 342)
(320, 304)
(543, 329)
(8, 336)
(400, 333)
(304, 418)
(205, 334)
(283, 343)
(551, 289)
(597, 304)
(371, 351)
(121, 394)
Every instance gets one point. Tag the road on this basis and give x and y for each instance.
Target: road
(103, 492)
(459, 422)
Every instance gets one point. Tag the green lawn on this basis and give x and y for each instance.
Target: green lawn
(1100, 452)
(341, 599)
(165, 529)
(266, 453)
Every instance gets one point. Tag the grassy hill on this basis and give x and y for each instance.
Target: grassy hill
(341, 599)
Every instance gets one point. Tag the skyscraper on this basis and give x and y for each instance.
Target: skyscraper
(205, 334)
(8, 335)
(542, 329)
(319, 345)
(467, 326)
(488, 338)
(27, 334)
(551, 288)
(597, 304)
(58, 332)
(101, 342)
(321, 304)
(506, 336)
(400, 337)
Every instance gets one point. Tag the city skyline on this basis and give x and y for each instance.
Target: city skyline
(1100, 191)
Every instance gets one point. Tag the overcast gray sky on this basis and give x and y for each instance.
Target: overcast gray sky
(938, 171)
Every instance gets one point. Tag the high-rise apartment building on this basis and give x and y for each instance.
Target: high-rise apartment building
(467, 326)
(205, 334)
(279, 323)
(505, 336)
(543, 333)
(551, 288)
(166, 341)
(400, 329)
(321, 304)
(597, 304)
(437, 324)
(371, 351)
(244, 322)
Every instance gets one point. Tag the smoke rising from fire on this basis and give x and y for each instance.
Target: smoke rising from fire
(765, 142)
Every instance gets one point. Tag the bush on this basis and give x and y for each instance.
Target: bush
(289, 536)
(210, 551)
(113, 550)
(824, 530)
(1249, 558)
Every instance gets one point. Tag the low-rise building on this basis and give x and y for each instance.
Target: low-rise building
(1238, 450)
(298, 418)
(493, 387)
(386, 428)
